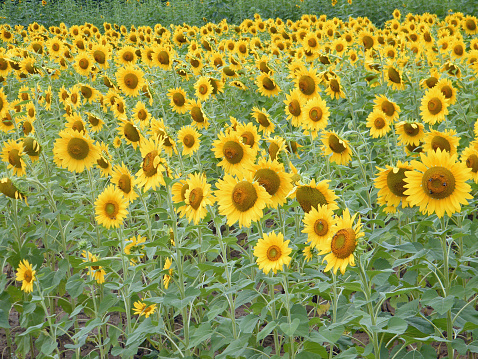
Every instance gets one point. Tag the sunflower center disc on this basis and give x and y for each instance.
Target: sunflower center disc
(179, 99)
(394, 75)
(315, 114)
(396, 183)
(78, 126)
(336, 145)
(83, 63)
(447, 92)
(273, 253)
(441, 143)
(99, 57)
(196, 114)
(431, 82)
(244, 196)
(7, 121)
(312, 42)
(470, 25)
(367, 42)
(78, 148)
(27, 127)
(103, 162)
(307, 85)
(434, 106)
(94, 121)
(148, 164)
(411, 129)
(27, 276)
(128, 56)
(263, 121)
(439, 182)
(379, 123)
(248, 138)
(268, 84)
(268, 179)
(233, 152)
(264, 68)
(111, 210)
(388, 108)
(95, 268)
(14, 158)
(131, 81)
(142, 115)
(458, 50)
(343, 243)
(124, 183)
(131, 133)
(321, 227)
(294, 108)
(195, 197)
(472, 162)
(86, 92)
(334, 85)
(273, 149)
(203, 89)
(188, 141)
(163, 58)
(309, 197)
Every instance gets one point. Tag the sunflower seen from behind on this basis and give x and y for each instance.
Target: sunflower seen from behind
(340, 247)
(272, 252)
(241, 199)
(437, 183)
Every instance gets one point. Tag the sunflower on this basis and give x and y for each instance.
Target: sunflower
(334, 88)
(314, 195)
(271, 175)
(318, 224)
(26, 275)
(143, 309)
(130, 80)
(203, 88)
(272, 252)
(75, 123)
(367, 40)
(111, 207)
(263, 118)
(390, 183)
(178, 99)
(189, 137)
(197, 115)
(234, 153)
(263, 64)
(130, 133)
(250, 136)
(446, 141)
(103, 163)
(316, 114)
(266, 85)
(95, 272)
(7, 123)
(378, 123)
(276, 145)
(239, 85)
(135, 248)
(307, 82)
(123, 180)
(12, 153)
(341, 246)
(447, 89)
(434, 106)
(83, 63)
(438, 183)
(32, 148)
(163, 57)
(197, 196)
(95, 122)
(469, 157)
(101, 54)
(241, 199)
(4, 106)
(410, 133)
(394, 78)
(337, 147)
(470, 25)
(126, 56)
(150, 174)
(389, 108)
(167, 277)
(295, 101)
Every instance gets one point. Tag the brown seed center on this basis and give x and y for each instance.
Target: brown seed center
(343, 243)
(233, 152)
(78, 148)
(273, 253)
(438, 182)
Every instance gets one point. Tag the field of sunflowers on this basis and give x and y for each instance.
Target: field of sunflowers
(271, 188)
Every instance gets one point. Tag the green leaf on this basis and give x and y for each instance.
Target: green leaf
(332, 333)
(266, 330)
(289, 329)
(248, 323)
(440, 304)
(396, 325)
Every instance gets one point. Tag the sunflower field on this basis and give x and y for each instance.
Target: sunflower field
(262, 189)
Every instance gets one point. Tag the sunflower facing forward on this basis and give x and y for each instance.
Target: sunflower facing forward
(337, 147)
(241, 200)
(390, 183)
(341, 246)
(12, 153)
(130, 80)
(111, 207)
(150, 175)
(197, 196)
(272, 252)
(434, 106)
(438, 183)
(189, 138)
(234, 153)
(318, 224)
(26, 275)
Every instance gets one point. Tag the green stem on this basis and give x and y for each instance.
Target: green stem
(289, 319)
(335, 299)
(446, 275)
(274, 317)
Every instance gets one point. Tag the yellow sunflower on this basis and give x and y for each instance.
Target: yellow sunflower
(124, 180)
(434, 106)
(203, 88)
(271, 175)
(389, 108)
(241, 199)
(129, 132)
(334, 88)
(437, 184)
(447, 89)
(143, 309)
(75, 151)
(276, 146)
(189, 138)
(390, 183)
(167, 277)
(318, 224)
(26, 274)
(263, 118)
(266, 85)
(445, 141)
(197, 196)
(250, 136)
(410, 133)
(314, 195)
(135, 247)
(83, 63)
(378, 123)
(200, 120)
(12, 153)
(32, 148)
(96, 272)
(3, 104)
(130, 80)
(141, 114)
(394, 78)
(272, 252)
(316, 114)
(469, 157)
(234, 153)
(178, 99)
(307, 82)
(150, 175)
(341, 246)
(163, 57)
(295, 101)
(111, 207)
(337, 147)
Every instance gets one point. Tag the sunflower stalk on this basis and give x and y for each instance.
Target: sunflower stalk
(446, 275)
(289, 319)
(93, 196)
(125, 288)
(272, 304)
(335, 301)
(100, 331)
